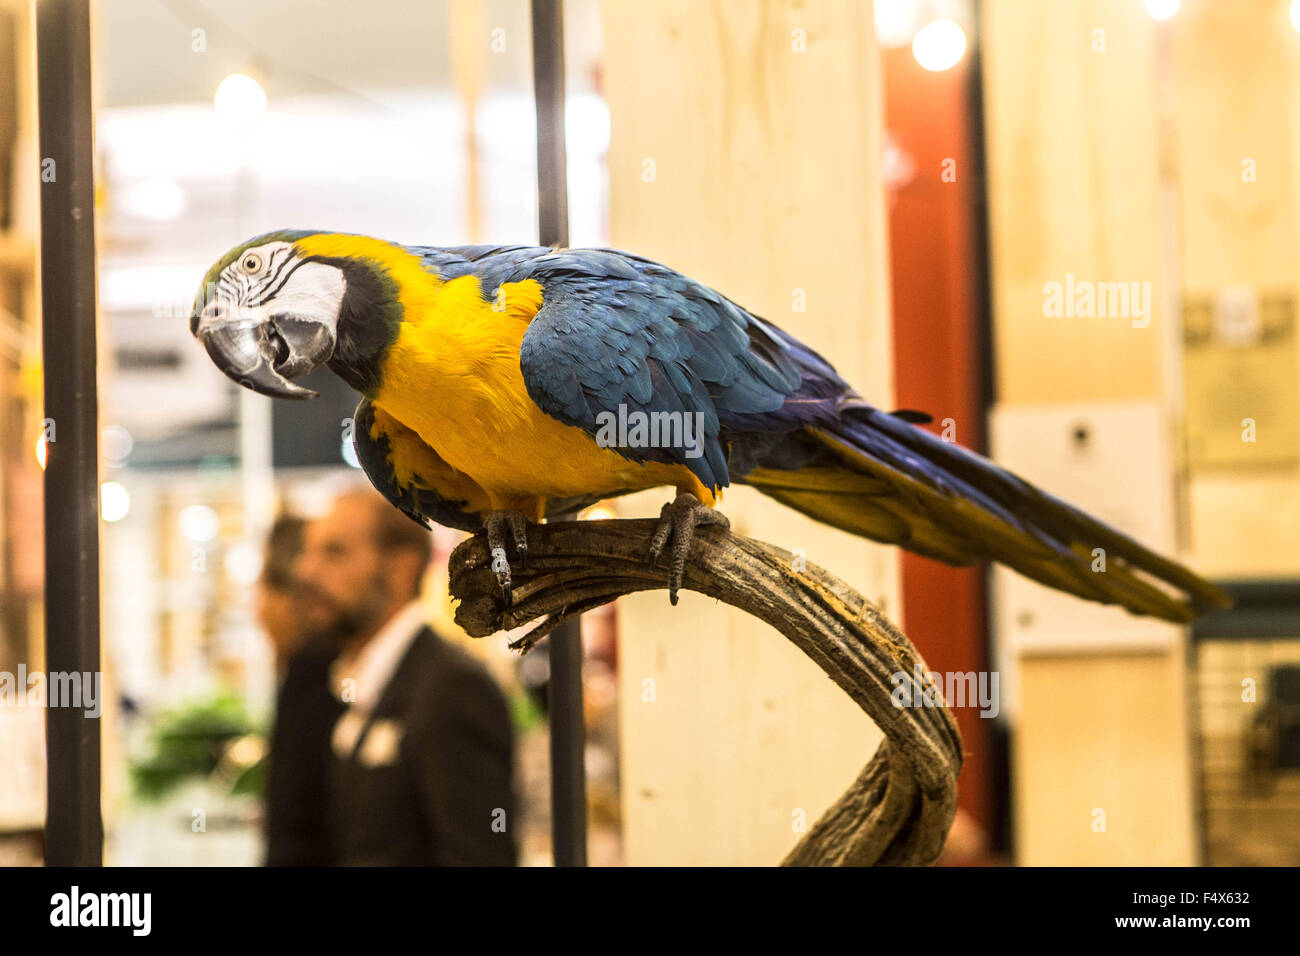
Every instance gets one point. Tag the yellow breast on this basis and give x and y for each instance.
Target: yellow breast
(453, 377)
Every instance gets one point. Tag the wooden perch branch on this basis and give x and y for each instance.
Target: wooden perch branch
(900, 807)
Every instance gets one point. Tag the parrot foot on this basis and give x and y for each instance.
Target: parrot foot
(678, 521)
(495, 524)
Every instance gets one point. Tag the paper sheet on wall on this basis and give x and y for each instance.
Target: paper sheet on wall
(1242, 376)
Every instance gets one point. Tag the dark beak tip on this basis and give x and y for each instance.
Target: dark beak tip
(277, 390)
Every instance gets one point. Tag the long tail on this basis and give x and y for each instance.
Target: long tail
(875, 475)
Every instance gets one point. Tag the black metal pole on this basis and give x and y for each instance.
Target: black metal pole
(548, 94)
(73, 828)
(568, 733)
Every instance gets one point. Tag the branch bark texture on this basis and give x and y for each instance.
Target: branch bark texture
(900, 807)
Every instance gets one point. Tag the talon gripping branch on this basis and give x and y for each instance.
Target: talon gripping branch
(490, 375)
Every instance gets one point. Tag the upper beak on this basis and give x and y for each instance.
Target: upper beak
(264, 353)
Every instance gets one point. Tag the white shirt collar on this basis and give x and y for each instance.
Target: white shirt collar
(372, 669)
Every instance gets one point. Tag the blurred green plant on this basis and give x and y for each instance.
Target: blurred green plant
(526, 712)
(209, 739)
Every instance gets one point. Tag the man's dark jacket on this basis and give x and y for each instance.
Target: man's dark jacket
(298, 760)
(438, 792)
(441, 794)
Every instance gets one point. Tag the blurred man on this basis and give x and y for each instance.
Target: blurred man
(298, 760)
(421, 758)
(277, 603)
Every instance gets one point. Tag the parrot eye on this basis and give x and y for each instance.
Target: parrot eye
(251, 263)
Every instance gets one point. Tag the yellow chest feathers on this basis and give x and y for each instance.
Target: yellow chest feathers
(453, 372)
(452, 376)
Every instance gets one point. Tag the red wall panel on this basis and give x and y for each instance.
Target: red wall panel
(937, 289)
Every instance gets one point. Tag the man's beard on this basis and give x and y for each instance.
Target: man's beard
(347, 623)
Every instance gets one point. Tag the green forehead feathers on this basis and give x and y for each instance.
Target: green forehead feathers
(283, 235)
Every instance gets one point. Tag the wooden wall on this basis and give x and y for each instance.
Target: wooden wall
(1072, 189)
(1075, 188)
(1126, 162)
(1238, 98)
(746, 151)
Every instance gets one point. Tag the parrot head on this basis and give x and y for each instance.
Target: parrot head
(268, 312)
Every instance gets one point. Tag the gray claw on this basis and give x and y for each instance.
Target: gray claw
(494, 525)
(677, 523)
(501, 565)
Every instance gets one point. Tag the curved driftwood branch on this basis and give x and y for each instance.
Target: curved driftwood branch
(900, 807)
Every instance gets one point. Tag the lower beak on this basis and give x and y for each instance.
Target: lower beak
(263, 355)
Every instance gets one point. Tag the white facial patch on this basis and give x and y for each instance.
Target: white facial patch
(273, 279)
(314, 291)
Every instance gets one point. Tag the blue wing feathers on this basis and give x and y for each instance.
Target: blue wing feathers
(620, 330)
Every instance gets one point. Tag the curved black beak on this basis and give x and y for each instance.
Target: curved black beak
(264, 355)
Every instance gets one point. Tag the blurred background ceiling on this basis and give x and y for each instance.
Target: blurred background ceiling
(303, 53)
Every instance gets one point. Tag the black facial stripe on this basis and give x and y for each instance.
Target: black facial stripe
(283, 253)
(272, 293)
(274, 263)
(274, 267)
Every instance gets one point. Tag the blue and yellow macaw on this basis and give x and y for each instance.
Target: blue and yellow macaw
(502, 384)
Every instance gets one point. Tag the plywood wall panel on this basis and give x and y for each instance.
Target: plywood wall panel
(1073, 133)
(1069, 99)
(746, 152)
